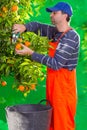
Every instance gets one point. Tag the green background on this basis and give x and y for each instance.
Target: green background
(10, 97)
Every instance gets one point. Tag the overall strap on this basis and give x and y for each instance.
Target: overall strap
(63, 34)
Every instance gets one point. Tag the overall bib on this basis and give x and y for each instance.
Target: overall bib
(61, 92)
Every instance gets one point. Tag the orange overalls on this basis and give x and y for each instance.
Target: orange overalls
(61, 92)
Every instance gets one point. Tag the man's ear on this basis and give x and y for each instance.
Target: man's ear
(66, 15)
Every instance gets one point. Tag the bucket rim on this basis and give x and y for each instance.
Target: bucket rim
(19, 105)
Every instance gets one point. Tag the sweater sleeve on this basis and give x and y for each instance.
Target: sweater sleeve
(45, 30)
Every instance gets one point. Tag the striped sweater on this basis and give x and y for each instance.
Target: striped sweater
(66, 55)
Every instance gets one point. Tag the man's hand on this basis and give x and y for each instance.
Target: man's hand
(24, 51)
(18, 28)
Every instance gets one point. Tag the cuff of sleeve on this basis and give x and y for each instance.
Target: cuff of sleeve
(27, 27)
(37, 57)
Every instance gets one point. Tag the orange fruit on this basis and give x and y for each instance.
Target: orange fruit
(14, 8)
(21, 88)
(3, 83)
(4, 9)
(33, 87)
(18, 46)
(0, 14)
(27, 43)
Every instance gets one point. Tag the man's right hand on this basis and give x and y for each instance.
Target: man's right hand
(18, 28)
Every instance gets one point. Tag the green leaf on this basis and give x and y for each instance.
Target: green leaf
(7, 70)
(2, 67)
(24, 63)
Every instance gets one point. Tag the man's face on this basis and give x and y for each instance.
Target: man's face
(57, 17)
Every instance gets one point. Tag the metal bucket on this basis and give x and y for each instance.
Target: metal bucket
(29, 116)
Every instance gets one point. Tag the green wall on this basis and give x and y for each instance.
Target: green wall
(10, 97)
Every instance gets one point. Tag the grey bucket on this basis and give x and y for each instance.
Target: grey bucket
(29, 116)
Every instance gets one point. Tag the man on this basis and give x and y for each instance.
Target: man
(61, 63)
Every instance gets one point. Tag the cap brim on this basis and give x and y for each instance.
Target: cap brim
(51, 9)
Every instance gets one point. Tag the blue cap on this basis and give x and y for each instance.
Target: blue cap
(61, 6)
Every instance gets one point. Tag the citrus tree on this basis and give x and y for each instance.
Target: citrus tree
(25, 71)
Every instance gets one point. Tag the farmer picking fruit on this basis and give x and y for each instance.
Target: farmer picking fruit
(61, 63)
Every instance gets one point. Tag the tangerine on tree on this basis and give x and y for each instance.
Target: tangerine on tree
(27, 43)
(18, 46)
(4, 9)
(14, 8)
(33, 87)
(3, 83)
(21, 88)
(0, 14)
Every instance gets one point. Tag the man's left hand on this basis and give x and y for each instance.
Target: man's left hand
(24, 51)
